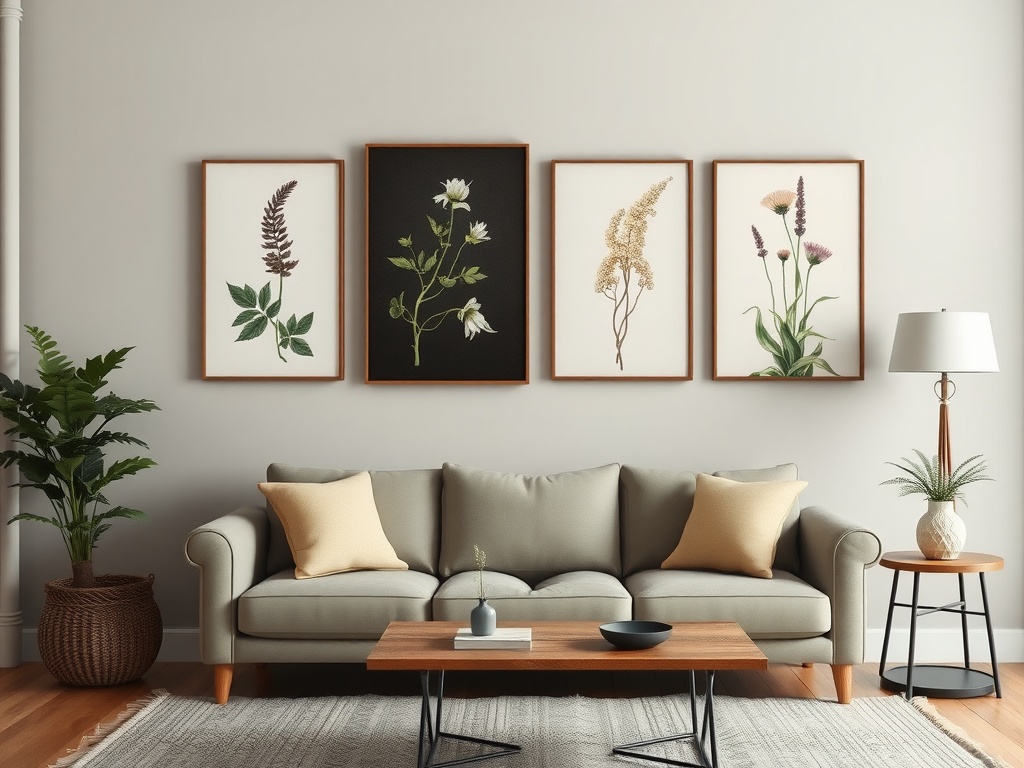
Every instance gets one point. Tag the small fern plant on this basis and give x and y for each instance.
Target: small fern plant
(926, 477)
(60, 433)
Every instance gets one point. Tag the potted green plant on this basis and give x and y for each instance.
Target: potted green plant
(94, 630)
(941, 532)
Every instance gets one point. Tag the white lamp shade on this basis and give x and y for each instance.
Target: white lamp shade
(944, 342)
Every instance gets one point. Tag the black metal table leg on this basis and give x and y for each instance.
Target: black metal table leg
(430, 725)
(699, 739)
(888, 622)
(913, 637)
(991, 637)
(963, 622)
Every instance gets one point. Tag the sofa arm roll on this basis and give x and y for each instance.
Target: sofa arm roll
(231, 554)
(834, 552)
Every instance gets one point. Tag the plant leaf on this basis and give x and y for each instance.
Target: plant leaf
(245, 316)
(253, 329)
(402, 261)
(243, 297)
(264, 297)
(304, 324)
(274, 309)
(300, 347)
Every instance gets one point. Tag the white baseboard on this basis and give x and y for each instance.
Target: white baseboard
(944, 646)
(934, 646)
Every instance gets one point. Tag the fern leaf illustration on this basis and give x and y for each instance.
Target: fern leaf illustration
(275, 233)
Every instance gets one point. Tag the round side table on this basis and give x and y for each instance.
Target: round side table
(940, 681)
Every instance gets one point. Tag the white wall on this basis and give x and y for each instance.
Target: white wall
(122, 99)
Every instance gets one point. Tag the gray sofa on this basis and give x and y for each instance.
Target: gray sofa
(581, 545)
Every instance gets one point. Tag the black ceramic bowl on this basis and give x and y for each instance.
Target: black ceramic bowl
(634, 635)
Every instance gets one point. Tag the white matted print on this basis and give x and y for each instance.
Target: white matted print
(622, 269)
(272, 269)
(789, 270)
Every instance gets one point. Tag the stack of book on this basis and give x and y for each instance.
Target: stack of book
(504, 638)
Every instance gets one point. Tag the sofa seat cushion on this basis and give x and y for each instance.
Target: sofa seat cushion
(783, 607)
(357, 605)
(579, 596)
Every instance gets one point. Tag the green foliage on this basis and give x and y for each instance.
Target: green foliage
(927, 477)
(60, 432)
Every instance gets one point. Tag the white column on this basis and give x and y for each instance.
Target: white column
(10, 315)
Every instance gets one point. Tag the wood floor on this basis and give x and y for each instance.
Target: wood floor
(41, 720)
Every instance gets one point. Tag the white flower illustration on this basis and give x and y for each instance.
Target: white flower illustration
(455, 191)
(475, 322)
(477, 233)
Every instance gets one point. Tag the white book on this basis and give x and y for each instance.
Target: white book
(504, 638)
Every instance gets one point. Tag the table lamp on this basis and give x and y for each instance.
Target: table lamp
(944, 342)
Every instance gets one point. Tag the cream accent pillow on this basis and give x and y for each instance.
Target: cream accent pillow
(332, 527)
(734, 526)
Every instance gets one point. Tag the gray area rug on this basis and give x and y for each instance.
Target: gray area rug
(381, 731)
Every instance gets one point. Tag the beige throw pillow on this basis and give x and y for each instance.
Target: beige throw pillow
(332, 527)
(734, 526)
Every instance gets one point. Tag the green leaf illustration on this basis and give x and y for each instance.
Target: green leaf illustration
(243, 297)
(395, 309)
(447, 282)
(253, 329)
(284, 342)
(303, 325)
(430, 263)
(436, 228)
(473, 275)
(300, 347)
(245, 316)
(264, 297)
(274, 309)
(402, 262)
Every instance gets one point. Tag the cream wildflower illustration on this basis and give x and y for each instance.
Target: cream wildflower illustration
(475, 322)
(455, 192)
(789, 328)
(625, 272)
(440, 271)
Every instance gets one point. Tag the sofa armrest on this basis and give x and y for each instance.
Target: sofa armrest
(834, 552)
(231, 554)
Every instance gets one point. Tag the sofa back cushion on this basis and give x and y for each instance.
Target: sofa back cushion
(530, 527)
(408, 502)
(656, 503)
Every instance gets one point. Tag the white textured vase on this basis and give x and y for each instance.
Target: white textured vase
(941, 533)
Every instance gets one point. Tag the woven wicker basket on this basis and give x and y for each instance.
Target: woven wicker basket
(102, 635)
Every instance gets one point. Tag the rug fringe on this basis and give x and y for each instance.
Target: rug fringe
(956, 733)
(103, 730)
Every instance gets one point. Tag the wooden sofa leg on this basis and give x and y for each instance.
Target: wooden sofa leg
(843, 676)
(807, 664)
(222, 674)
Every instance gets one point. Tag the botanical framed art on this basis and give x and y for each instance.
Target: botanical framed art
(446, 263)
(622, 269)
(788, 270)
(273, 281)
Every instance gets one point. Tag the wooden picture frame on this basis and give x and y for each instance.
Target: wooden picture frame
(447, 264)
(273, 269)
(788, 274)
(622, 270)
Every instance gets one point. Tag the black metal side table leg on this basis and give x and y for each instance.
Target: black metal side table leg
(888, 622)
(991, 638)
(963, 622)
(913, 637)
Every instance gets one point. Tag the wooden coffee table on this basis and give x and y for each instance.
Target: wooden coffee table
(428, 646)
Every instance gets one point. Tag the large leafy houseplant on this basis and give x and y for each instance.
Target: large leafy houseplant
(61, 430)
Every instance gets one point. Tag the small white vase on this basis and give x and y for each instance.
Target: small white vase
(941, 533)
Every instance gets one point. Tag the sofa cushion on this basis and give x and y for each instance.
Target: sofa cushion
(530, 527)
(780, 608)
(408, 501)
(655, 506)
(734, 526)
(332, 527)
(357, 605)
(787, 553)
(579, 596)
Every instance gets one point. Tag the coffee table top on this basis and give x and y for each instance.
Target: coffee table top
(565, 645)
